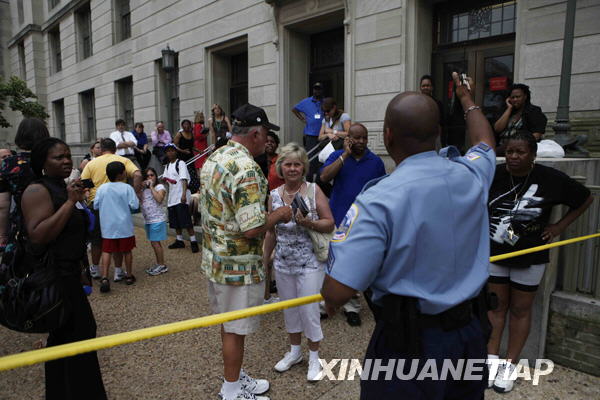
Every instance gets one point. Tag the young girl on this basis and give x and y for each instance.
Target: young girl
(155, 218)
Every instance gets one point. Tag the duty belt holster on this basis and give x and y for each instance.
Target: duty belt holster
(400, 316)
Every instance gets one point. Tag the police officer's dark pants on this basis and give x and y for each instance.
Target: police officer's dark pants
(464, 343)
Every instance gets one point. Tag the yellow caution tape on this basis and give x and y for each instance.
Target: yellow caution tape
(104, 342)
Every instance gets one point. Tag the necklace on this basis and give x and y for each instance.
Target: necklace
(291, 194)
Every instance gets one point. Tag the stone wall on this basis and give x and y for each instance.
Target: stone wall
(573, 338)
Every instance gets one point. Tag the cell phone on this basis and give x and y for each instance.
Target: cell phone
(87, 183)
(464, 81)
(299, 204)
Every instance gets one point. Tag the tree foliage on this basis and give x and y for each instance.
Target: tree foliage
(18, 95)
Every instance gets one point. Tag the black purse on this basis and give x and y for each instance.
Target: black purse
(31, 291)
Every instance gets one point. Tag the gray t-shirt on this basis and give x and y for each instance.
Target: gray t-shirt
(339, 125)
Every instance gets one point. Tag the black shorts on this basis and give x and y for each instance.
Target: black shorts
(96, 234)
(179, 216)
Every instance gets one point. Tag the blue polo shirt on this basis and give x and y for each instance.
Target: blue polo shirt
(421, 231)
(351, 179)
(311, 108)
(142, 139)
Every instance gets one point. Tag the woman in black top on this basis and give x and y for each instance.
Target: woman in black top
(184, 142)
(520, 114)
(55, 221)
(521, 199)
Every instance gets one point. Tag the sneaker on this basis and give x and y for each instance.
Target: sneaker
(243, 395)
(177, 244)
(95, 272)
(505, 378)
(157, 270)
(119, 277)
(315, 371)
(271, 300)
(492, 365)
(253, 386)
(195, 247)
(287, 362)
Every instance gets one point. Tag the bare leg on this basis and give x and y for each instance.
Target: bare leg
(128, 262)
(313, 346)
(295, 339)
(118, 259)
(191, 232)
(96, 254)
(521, 303)
(158, 252)
(105, 264)
(233, 355)
(498, 316)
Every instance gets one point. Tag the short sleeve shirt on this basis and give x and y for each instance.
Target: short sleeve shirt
(311, 108)
(421, 231)
(174, 175)
(152, 210)
(233, 193)
(524, 205)
(96, 171)
(339, 124)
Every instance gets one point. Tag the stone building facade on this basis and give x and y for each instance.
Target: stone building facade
(92, 61)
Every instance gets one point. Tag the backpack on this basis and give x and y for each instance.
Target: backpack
(31, 291)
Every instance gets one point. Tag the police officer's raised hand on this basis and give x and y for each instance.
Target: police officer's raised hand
(463, 90)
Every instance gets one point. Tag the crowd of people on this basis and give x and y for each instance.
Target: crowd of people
(265, 211)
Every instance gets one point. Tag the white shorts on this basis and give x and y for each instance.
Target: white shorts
(224, 298)
(526, 279)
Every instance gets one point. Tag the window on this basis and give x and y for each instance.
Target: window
(83, 20)
(125, 100)
(21, 14)
(88, 116)
(238, 91)
(22, 64)
(55, 54)
(58, 107)
(122, 20)
(487, 21)
(52, 4)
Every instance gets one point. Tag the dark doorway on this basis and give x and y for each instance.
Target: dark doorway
(327, 63)
(238, 90)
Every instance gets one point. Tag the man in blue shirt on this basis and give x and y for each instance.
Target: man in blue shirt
(351, 168)
(418, 240)
(309, 111)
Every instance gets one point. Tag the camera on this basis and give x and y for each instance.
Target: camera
(87, 183)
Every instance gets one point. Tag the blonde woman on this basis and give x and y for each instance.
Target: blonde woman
(298, 272)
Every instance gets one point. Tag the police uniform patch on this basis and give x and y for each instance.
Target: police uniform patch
(472, 157)
(330, 259)
(342, 232)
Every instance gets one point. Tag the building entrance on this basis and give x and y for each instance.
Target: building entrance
(479, 42)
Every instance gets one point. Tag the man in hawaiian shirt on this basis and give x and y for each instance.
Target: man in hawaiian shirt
(232, 205)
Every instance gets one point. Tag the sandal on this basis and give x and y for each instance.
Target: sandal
(104, 285)
(130, 280)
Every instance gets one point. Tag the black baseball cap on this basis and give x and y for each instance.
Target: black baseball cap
(250, 115)
(318, 85)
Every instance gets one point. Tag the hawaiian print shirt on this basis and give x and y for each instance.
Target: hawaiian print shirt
(232, 201)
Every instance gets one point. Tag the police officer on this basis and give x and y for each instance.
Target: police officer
(417, 239)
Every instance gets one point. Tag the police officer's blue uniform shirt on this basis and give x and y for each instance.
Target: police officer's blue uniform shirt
(421, 231)
(311, 108)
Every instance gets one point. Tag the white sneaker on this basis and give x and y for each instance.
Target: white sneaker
(243, 395)
(506, 377)
(119, 277)
(492, 364)
(253, 386)
(287, 361)
(271, 300)
(157, 270)
(95, 272)
(315, 371)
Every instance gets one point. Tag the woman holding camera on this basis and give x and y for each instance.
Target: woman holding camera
(56, 223)
(298, 272)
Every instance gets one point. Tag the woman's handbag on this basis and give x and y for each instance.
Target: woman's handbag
(320, 240)
(31, 291)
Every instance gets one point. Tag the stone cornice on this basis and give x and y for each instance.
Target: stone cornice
(27, 29)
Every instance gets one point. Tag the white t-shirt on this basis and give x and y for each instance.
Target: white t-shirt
(151, 209)
(125, 136)
(176, 189)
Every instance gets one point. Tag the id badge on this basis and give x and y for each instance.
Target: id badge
(510, 237)
(317, 116)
